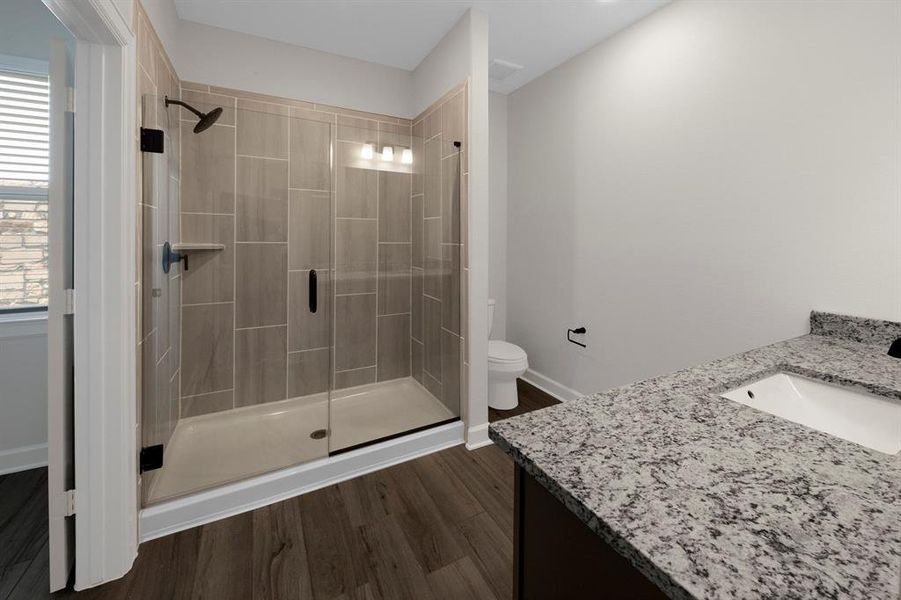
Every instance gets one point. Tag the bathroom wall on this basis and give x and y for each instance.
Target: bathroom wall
(497, 253)
(695, 185)
(157, 221)
(261, 183)
(440, 257)
(241, 61)
(23, 394)
(462, 54)
(163, 19)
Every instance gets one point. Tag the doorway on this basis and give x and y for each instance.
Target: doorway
(36, 208)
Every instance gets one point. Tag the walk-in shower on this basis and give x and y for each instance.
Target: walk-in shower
(319, 306)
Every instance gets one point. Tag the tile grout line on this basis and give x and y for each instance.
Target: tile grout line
(441, 142)
(295, 189)
(261, 327)
(263, 157)
(333, 269)
(288, 269)
(357, 369)
(210, 393)
(190, 304)
(410, 210)
(209, 214)
(181, 287)
(308, 350)
(213, 125)
(235, 265)
(378, 253)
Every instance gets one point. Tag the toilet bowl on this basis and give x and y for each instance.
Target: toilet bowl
(506, 362)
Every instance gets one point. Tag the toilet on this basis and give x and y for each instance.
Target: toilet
(506, 362)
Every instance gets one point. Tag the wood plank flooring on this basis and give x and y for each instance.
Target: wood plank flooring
(438, 527)
(23, 535)
(530, 398)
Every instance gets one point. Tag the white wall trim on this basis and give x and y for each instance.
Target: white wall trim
(477, 437)
(104, 321)
(228, 500)
(550, 386)
(477, 413)
(94, 21)
(105, 384)
(23, 325)
(22, 459)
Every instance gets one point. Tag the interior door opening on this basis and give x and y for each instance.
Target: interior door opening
(36, 283)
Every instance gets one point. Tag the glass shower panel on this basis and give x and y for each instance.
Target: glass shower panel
(397, 287)
(160, 291)
(252, 244)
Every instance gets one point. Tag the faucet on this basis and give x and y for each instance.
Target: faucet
(895, 349)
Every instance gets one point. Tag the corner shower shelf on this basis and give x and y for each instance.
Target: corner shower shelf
(196, 247)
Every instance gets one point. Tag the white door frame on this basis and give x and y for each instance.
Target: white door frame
(105, 341)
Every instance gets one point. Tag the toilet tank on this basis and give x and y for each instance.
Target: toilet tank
(490, 314)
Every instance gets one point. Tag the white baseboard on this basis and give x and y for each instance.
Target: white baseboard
(235, 498)
(23, 458)
(554, 388)
(477, 437)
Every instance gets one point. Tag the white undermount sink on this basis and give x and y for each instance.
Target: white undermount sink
(859, 417)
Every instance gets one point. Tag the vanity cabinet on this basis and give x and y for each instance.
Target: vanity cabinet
(556, 556)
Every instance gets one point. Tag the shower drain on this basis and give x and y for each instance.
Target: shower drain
(319, 434)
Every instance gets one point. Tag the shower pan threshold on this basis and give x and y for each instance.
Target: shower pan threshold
(225, 447)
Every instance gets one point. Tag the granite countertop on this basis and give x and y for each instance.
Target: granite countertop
(713, 499)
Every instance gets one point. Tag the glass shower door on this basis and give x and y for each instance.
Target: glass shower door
(157, 212)
(237, 334)
(397, 284)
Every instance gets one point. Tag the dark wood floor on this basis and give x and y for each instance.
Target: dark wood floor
(23, 535)
(440, 526)
(530, 398)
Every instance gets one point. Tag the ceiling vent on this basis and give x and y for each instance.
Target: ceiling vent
(499, 70)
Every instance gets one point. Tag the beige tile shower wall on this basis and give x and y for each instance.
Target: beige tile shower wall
(439, 247)
(373, 253)
(265, 183)
(157, 294)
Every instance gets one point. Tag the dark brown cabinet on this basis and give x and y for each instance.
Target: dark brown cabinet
(558, 557)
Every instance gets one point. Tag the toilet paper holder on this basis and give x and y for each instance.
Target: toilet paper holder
(577, 331)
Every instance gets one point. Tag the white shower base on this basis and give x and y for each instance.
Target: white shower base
(224, 447)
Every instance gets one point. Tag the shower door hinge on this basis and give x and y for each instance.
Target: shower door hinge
(70, 99)
(151, 140)
(63, 505)
(151, 458)
(69, 309)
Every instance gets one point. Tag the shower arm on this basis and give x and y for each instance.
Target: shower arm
(199, 114)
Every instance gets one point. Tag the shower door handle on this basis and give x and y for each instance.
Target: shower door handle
(314, 295)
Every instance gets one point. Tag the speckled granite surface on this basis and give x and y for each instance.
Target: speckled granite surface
(713, 499)
(867, 331)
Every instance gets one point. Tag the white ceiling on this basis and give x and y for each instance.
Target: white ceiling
(537, 34)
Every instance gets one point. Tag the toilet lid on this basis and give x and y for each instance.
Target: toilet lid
(499, 351)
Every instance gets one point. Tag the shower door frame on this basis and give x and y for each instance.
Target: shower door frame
(105, 339)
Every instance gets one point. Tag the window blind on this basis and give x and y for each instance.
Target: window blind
(24, 132)
(24, 171)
